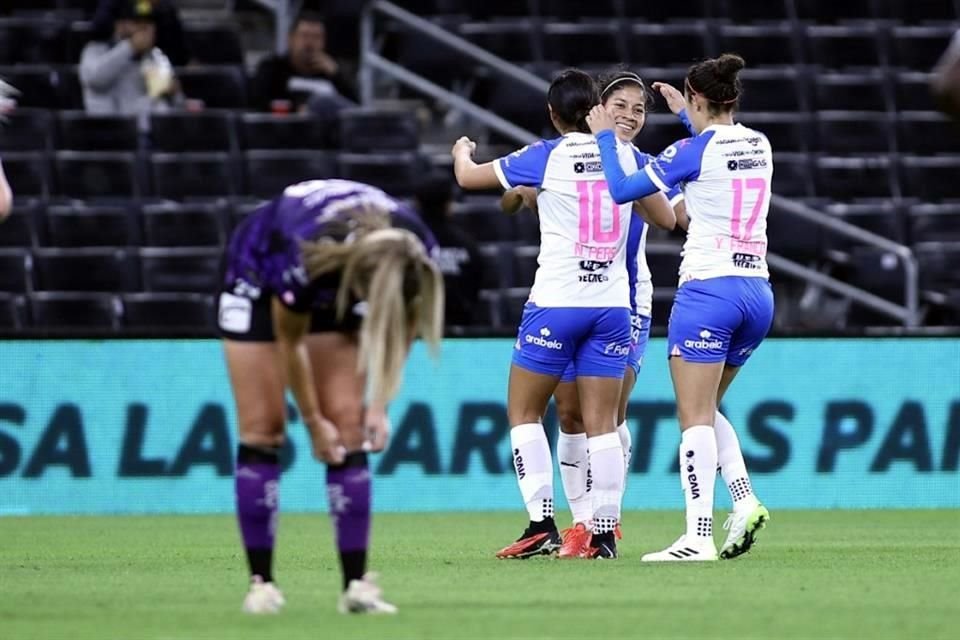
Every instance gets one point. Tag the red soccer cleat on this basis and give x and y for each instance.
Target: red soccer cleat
(576, 541)
(531, 544)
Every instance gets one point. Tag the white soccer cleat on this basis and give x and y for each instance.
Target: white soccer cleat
(263, 597)
(685, 550)
(743, 526)
(365, 596)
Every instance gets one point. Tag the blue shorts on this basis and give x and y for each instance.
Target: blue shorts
(596, 341)
(720, 319)
(639, 336)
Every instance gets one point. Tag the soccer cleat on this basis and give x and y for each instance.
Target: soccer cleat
(685, 550)
(365, 596)
(743, 528)
(532, 543)
(602, 546)
(263, 597)
(576, 541)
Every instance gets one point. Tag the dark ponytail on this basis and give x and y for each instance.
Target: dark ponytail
(571, 96)
(718, 80)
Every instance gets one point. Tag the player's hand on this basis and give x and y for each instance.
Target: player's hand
(322, 61)
(675, 100)
(599, 119)
(376, 429)
(463, 145)
(327, 445)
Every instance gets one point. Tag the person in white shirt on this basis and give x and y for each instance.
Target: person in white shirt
(724, 304)
(578, 310)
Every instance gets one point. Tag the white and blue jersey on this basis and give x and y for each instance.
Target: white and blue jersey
(579, 306)
(725, 174)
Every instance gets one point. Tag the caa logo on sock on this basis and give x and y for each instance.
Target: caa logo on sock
(704, 342)
(543, 340)
(691, 476)
(518, 463)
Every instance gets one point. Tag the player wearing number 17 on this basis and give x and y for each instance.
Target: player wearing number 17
(724, 304)
(578, 310)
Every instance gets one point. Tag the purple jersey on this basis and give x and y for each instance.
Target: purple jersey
(263, 255)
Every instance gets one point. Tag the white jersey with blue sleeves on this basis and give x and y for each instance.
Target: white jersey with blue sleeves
(583, 232)
(725, 175)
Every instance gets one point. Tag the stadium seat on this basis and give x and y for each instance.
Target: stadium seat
(582, 43)
(371, 129)
(931, 222)
(760, 45)
(850, 178)
(575, 9)
(793, 237)
(181, 269)
(846, 91)
(911, 11)
(79, 33)
(524, 266)
(13, 311)
(28, 172)
(835, 47)
(833, 11)
(78, 131)
(67, 88)
(664, 263)
(788, 132)
(19, 229)
(666, 44)
(36, 83)
(177, 176)
(293, 131)
(516, 40)
(423, 56)
(739, 11)
(32, 40)
(395, 173)
(173, 224)
(882, 217)
(269, 172)
(97, 174)
(931, 178)
(524, 106)
(208, 130)
(26, 129)
(771, 90)
(663, 11)
(938, 264)
(792, 176)
(15, 266)
(85, 269)
(483, 220)
(169, 311)
(217, 86)
(499, 8)
(912, 90)
(495, 274)
(852, 132)
(878, 271)
(79, 225)
(924, 132)
(214, 43)
(511, 306)
(59, 310)
(919, 47)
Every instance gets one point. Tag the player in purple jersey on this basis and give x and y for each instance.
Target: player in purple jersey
(297, 310)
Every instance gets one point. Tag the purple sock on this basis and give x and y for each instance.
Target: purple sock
(348, 491)
(257, 482)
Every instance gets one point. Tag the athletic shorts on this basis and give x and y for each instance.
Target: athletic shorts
(596, 341)
(639, 336)
(720, 319)
(240, 316)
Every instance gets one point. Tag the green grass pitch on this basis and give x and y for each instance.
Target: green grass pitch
(814, 574)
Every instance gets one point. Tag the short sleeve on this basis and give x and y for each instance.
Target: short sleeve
(524, 167)
(678, 163)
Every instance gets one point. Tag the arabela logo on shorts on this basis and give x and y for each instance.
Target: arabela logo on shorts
(543, 340)
(704, 342)
(616, 349)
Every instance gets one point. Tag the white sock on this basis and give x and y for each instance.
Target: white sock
(732, 467)
(698, 472)
(606, 468)
(575, 474)
(531, 459)
(626, 441)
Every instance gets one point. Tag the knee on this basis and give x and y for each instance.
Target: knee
(692, 414)
(347, 415)
(570, 419)
(263, 434)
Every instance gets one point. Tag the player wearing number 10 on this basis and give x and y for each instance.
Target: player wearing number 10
(578, 310)
(724, 305)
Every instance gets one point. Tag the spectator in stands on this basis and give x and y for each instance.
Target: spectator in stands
(128, 74)
(170, 34)
(458, 255)
(946, 79)
(306, 77)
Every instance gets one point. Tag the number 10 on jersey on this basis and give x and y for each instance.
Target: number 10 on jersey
(593, 194)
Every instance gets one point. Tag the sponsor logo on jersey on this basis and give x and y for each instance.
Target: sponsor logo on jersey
(543, 340)
(594, 277)
(746, 261)
(594, 265)
(732, 165)
(591, 166)
(751, 163)
(704, 342)
(616, 349)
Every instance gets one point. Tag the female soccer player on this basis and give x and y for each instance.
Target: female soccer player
(625, 95)
(578, 311)
(724, 305)
(6, 196)
(323, 291)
